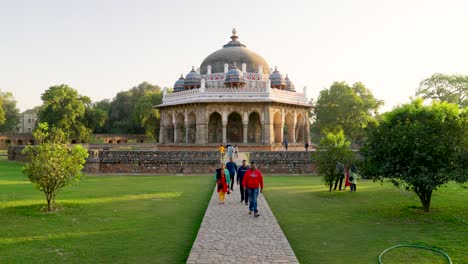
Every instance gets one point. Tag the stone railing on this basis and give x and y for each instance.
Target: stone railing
(236, 90)
(223, 94)
(120, 145)
(182, 93)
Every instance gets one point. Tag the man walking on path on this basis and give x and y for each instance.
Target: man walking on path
(231, 166)
(240, 176)
(252, 179)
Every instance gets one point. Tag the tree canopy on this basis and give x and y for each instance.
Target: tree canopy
(52, 165)
(9, 113)
(64, 108)
(446, 88)
(345, 107)
(419, 147)
(126, 107)
(332, 149)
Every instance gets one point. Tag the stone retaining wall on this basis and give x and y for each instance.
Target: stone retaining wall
(149, 161)
(184, 162)
(284, 162)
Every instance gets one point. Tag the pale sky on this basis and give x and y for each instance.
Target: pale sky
(101, 47)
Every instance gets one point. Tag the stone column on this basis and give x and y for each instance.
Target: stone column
(307, 126)
(262, 139)
(162, 130)
(282, 132)
(267, 127)
(176, 127)
(224, 133)
(293, 134)
(245, 132)
(201, 133)
(187, 129)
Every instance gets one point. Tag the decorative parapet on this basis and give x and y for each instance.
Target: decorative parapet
(246, 94)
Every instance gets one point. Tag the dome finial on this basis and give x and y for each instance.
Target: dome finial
(193, 68)
(276, 68)
(234, 32)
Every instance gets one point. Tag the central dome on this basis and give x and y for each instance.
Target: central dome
(232, 52)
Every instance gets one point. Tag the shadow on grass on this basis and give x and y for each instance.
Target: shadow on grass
(47, 237)
(36, 207)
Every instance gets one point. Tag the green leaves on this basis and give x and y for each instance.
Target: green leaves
(9, 113)
(52, 165)
(447, 88)
(423, 146)
(333, 149)
(347, 108)
(64, 109)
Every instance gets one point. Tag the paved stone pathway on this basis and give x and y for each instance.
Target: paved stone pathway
(228, 234)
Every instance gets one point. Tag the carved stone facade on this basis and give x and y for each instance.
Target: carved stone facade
(246, 123)
(221, 103)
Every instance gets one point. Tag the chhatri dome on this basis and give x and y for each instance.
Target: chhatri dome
(233, 97)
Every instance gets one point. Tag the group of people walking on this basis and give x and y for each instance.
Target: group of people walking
(349, 174)
(232, 151)
(249, 180)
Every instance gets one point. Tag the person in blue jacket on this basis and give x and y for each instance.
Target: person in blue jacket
(240, 175)
(231, 166)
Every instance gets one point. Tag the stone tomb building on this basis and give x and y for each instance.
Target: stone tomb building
(234, 97)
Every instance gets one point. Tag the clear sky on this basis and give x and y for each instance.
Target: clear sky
(101, 47)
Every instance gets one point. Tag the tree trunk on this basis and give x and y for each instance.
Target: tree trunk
(425, 198)
(50, 201)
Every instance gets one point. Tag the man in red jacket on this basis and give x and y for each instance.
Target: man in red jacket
(252, 179)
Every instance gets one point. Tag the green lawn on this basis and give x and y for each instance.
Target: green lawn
(109, 219)
(345, 227)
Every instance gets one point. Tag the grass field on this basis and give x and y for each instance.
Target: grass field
(109, 219)
(345, 227)
(154, 219)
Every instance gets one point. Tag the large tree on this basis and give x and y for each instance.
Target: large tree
(147, 115)
(332, 150)
(65, 109)
(123, 117)
(102, 108)
(346, 107)
(418, 147)
(447, 88)
(9, 113)
(52, 165)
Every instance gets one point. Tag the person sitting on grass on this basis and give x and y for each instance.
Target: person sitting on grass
(222, 182)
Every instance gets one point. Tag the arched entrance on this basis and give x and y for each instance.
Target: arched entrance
(192, 128)
(20, 142)
(254, 129)
(300, 128)
(180, 127)
(215, 128)
(278, 130)
(289, 128)
(169, 129)
(234, 128)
